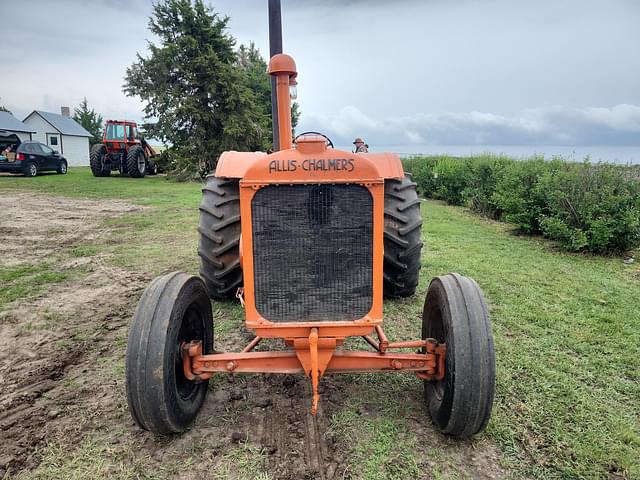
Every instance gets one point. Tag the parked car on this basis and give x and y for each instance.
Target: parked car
(30, 158)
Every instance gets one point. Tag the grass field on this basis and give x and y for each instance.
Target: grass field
(567, 331)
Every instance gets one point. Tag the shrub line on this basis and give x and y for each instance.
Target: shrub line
(585, 207)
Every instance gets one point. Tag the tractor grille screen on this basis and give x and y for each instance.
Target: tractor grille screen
(313, 252)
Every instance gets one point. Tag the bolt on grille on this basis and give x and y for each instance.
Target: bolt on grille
(313, 252)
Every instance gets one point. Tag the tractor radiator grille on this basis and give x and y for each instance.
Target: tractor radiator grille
(313, 252)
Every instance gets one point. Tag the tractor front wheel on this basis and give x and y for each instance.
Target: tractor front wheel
(152, 167)
(174, 309)
(99, 161)
(136, 162)
(455, 313)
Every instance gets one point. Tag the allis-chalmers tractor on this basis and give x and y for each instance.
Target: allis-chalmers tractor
(309, 239)
(122, 149)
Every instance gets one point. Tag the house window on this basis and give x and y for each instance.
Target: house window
(53, 141)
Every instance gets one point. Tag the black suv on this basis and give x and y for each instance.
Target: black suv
(30, 158)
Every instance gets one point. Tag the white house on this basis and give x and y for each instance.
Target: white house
(61, 133)
(11, 125)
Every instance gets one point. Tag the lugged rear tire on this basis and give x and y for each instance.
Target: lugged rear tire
(455, 313)
(402, 244)
(219, 244)
(173, 309)
(98, 161)
(136, 163)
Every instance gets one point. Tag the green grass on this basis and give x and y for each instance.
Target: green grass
(154, 191)
(381, 446)
(160, 238)
(27, 281)
(567, 331)
(245, 462)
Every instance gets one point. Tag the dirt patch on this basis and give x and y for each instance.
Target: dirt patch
(64, 331)
(34, 226)
(62, 380)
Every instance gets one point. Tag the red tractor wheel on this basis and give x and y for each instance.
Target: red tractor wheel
(455, 313)
(99, 161)
(136, 163)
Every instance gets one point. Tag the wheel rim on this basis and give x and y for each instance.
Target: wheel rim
(436, 331)
(63, 167)
(141, 163)
(191, 328)
(33, 170)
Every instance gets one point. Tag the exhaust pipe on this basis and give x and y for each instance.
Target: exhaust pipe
(275, 47)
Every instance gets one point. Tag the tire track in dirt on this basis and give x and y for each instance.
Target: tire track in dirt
(49, 392)
(56, 339)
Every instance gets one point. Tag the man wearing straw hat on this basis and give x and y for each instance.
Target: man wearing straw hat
(361, 147)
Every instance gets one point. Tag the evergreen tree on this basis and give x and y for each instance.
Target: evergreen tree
(90, 120)
(197, 99)
(259, 82)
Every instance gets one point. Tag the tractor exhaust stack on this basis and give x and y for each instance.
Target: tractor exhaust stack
(283, 73)
(275, 47)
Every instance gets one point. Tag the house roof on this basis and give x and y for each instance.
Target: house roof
(11, 123)
(65, 125)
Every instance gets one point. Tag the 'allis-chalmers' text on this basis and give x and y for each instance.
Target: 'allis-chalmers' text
(312, 165)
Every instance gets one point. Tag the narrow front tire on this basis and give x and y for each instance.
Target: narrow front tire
(173, 309)
(455, 313)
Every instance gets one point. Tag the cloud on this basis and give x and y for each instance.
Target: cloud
(366, 67)
(557, 125)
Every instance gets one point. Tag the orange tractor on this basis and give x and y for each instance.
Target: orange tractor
(122, 149)
(309, 239)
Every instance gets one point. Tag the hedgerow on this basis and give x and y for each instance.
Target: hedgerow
(592, 207)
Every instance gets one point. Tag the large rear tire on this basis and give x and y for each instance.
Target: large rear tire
(455, 313)
(219, 229)
(402, 244)
(174, 308)
(136, 162)
(99, 162)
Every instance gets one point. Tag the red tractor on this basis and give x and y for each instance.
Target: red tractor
(122, 149)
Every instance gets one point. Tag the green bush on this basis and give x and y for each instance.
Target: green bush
(422, 172)
(583, 206)
(451, 177)
(517, 195)
(483, 175)
(591, 207)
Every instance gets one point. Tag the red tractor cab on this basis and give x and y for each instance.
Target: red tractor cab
(122, 149)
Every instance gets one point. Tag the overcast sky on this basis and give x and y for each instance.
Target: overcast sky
(443, 72)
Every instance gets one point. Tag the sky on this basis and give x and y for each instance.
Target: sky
(398, 73)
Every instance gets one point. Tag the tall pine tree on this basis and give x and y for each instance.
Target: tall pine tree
(90, 120)
(197, 99)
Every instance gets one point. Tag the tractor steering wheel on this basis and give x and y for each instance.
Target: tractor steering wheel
(329, 142)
